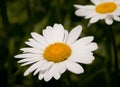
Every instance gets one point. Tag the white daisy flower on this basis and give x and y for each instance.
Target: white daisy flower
(108, 10)
(56, 51)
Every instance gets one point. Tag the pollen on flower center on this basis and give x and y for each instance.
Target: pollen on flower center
(57, 52)
(106, 7)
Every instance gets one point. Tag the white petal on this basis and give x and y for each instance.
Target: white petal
(62, 67)
(109, 20)
(57, 74)
(84, 6)
(49, 75)
(82, 53)
(116, 18)
(92, 46)
(80, 58)
(80, 12)
(74, 67)
(117, 11)
(46, 65)
(83, 41)
(29, 59)
(74, 34)
(33, 67)
(117, 1)
(30, 62)
(42, 74)
(27, 55)
(37, 70)
(39, 38)
(31, 50)
(34, 45)
(95, 19)
(53, 72)
(49, 34)
(83, 12)
(58, 30)
(90, 15)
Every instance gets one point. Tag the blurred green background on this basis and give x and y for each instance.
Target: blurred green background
(18, 18)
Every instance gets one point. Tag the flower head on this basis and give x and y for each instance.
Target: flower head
(56, 51)
(108, 10)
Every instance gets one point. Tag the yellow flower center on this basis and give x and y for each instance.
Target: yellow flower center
(57, 52)
(106, 7)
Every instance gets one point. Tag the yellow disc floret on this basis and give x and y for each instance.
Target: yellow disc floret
(57, 52)
(106, 7)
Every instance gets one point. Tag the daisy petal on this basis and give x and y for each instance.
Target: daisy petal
(33, 67)
(41, 75)
(50, 73)
(74, 67)
(46, 65)
(53, 72)
(74, 34)
(57, 75)
(27, 55)
(85, 59)
(94, 19)
(48, 34)
(109, 20)
(83, 12)
(39, 38)
(84, 7)
(58, 28)
(29, 59)
(92, 46)
(92, 14)
(37, 70)
(117, 18)
(34, 45)
(62, 67)
(31, 50)
(83, 41)
(30, 62)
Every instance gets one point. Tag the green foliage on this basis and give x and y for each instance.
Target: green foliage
(26, 16)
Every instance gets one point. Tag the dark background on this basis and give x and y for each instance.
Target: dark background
(18, 18)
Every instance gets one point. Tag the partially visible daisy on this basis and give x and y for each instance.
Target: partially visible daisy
(108, 10)
(56, 51)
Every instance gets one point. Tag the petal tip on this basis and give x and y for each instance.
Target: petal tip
(16, 56)
(26, 73)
